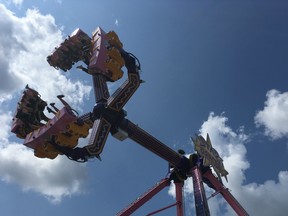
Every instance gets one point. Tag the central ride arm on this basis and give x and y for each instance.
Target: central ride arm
(154, 145)
(121, 96)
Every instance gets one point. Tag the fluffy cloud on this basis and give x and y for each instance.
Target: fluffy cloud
(54, 179)
(271, 195)
(24, 44)
(274, 116)
(230, 146)
(17, 2)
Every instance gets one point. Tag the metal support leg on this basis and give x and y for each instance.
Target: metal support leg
(179, 198)
(226, 194)
(144, 198)
(201, 204)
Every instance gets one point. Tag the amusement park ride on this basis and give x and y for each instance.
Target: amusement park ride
(104, 57)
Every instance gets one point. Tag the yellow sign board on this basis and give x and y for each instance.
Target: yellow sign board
(210, 155)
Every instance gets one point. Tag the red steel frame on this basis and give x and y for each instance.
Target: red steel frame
(201, 204)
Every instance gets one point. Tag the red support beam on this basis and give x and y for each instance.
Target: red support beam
(144, 198)
(226, 194)
(162, 209)
(200, 199)
(179, 198)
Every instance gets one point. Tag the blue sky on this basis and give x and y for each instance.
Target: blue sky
(210, 67)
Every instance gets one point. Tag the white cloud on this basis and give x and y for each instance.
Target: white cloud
(54, 179)
(24, 45)
(264, 199)
(274, 116)
(271, 196)
(5, 120)
(116, 22)
(17, 2)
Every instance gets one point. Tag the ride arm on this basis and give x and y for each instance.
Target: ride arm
(152, 144)
(101, 91)
(121, 96)
(100, 132)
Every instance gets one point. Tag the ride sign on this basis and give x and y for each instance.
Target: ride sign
(210, 155)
